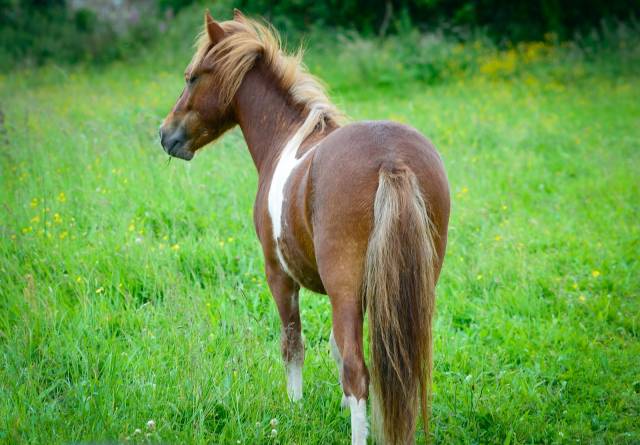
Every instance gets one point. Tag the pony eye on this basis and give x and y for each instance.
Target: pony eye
(192, 80)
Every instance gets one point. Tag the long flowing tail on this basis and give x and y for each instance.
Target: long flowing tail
(399, 290)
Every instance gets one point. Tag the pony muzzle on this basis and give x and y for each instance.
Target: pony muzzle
(175, 142)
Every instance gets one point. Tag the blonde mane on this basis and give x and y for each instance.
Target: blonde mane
(245, 41)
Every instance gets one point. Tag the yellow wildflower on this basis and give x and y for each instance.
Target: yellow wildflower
(64, 234)
(35, 219)
(99, 290)
(595, 273)
(57, 218)
(62, 197)
(34, 203)
(176, 246)
(503, 63)
(582, 298)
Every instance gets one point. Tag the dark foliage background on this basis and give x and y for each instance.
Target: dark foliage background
(35, 31)
(503, 19)
(69, 31)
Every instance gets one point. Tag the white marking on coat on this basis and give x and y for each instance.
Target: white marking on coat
(294, 381)
(358, 420)
(286, 163)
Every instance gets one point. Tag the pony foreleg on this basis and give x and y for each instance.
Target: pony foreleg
(285, 294)
(293, 356)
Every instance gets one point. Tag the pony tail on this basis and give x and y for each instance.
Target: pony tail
(399, 291)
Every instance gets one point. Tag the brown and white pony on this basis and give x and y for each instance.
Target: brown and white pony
(358, 212)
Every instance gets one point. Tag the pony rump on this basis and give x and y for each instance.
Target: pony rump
(399, 291)
(245, 42)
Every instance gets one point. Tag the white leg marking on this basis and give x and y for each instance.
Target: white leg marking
(284, 167)
(294, 381)
(358, 421)
(335, 353)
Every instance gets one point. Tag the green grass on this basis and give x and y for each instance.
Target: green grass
(132, 287)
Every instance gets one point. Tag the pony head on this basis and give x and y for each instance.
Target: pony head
(203, 111)
(225, 52)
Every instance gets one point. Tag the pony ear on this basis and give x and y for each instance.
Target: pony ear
(238, 16)
(215, 31)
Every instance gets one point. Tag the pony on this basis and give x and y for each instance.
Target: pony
(357, 211)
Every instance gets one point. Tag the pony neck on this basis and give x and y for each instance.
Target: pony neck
(266, 115)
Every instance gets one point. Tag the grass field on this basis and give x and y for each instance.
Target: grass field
(132, 289)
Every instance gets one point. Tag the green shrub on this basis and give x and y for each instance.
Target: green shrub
(436, 57)
(35, 32)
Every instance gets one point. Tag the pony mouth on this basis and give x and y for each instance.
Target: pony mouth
(176, 143)
(179, 149)
(180, 152)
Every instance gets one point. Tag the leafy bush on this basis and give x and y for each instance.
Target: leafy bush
(37, 31)
(435, 57)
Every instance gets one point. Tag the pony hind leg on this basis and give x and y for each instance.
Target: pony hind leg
(347, 336)
(285, 293)
(340, 265)
(335, 353)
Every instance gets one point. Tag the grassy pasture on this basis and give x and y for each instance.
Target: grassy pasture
(132, 289)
